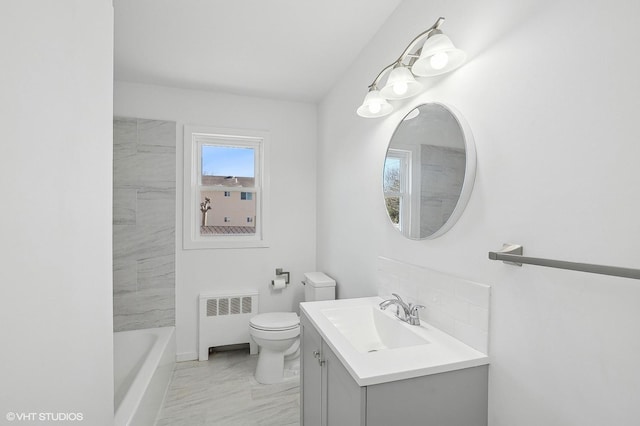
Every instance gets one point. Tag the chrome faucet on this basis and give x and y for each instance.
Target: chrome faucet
(410, 311)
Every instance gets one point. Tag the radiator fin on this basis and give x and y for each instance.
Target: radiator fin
(223, 306)
(246, 305)
(212, 307)
(235, 305)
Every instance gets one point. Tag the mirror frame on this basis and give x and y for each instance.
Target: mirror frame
(469, 170)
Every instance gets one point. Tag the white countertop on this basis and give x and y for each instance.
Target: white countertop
(443, 353)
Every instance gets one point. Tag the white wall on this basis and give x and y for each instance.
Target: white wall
(551, 93)
(293, 135)
(55, 221)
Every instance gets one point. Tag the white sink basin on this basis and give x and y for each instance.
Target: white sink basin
(376, 347)
(370, 330)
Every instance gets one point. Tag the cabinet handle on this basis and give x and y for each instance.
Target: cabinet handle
(316, 354)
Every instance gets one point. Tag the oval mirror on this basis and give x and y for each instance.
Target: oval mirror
(428, 171)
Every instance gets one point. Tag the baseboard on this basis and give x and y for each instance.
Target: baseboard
(186, 356)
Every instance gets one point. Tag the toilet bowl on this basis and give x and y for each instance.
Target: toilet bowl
(277, 335)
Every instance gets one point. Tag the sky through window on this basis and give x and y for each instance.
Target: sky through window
(227, 161)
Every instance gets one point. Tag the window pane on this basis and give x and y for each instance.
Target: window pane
(228, 165)
(391, 177)
(227, 215)
(393, 207)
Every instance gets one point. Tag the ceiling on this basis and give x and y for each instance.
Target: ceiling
(282, 49)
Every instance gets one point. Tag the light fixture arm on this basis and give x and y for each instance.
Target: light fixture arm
(430, 53)
(405, 53)
(419, 38)
(374, 85)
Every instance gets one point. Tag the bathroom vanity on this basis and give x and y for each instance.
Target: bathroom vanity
(363, 366)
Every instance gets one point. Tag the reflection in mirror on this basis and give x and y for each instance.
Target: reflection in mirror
(428, 171)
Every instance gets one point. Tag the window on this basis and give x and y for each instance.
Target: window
(224, 178)
(397, 168)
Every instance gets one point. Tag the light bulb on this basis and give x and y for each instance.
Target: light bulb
(439, 60)
(400, 87)
(374, 107)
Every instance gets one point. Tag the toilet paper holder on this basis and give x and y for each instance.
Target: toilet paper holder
(279, 274)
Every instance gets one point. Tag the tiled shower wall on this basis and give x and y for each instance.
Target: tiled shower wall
(144, 208)
(442, 176)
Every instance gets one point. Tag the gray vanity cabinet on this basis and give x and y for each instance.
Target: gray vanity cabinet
(311, 377)
(454, 398)
(331, 397)
(345, 400)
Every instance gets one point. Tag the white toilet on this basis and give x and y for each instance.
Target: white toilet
(278, 333)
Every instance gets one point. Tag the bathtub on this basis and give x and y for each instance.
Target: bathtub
(143, 362)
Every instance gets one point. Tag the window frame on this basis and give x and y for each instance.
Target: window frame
(404, 195)
(194, 138)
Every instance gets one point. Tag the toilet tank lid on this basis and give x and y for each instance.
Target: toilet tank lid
(319, 279)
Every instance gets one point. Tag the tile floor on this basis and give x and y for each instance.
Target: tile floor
(223, 391)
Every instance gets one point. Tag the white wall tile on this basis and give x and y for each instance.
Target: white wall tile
(472, 336)
(475, 293)
(479, 316)
(456, 306)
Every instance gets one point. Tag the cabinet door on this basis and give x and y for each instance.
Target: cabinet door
(311, 378)
(454, 398)
(345, 400)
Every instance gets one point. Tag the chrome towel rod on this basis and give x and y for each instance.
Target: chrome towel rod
(512, 254)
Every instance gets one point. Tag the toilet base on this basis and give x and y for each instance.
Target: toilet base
(253, 346)
(270, 366)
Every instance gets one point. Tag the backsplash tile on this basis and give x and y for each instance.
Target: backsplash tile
(456, 306)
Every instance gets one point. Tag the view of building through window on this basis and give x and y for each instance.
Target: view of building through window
(228, 190)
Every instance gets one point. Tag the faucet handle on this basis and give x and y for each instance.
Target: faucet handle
(397, 297)
(414, 318)
(413, 309)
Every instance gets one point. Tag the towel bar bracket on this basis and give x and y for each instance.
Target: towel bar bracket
(508, 249)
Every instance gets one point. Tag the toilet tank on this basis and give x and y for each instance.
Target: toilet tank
(318, 286)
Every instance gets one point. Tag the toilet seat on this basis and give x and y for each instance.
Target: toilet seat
(275, 326)
(275, 321)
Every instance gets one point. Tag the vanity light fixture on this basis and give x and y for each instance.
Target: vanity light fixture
(437, 56)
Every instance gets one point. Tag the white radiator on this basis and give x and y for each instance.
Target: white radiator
(224, 320)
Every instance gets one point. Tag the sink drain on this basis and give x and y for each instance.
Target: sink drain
(372, 350)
